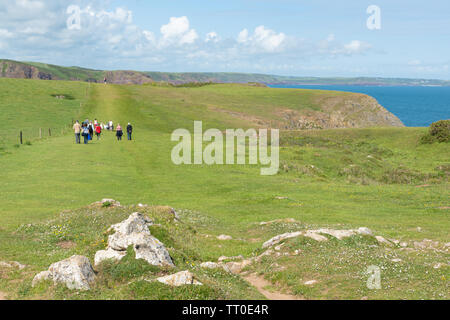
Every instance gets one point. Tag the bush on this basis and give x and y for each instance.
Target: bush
(439, 132)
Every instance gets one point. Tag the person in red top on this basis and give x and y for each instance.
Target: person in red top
(98, 131)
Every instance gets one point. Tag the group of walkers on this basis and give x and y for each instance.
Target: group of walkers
(87, 129)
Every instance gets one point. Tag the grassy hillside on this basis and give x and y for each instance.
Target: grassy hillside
(35, 70)
(28, 106)
(380, 178)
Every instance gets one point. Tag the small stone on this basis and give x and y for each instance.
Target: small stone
(396, 260)
(109, 254)
(236, 267)
(224, 237)
(210, 265)
(315, 236)
(365, 231)
(310, 282)
(179, 279)
(223, 258)
(382, 240)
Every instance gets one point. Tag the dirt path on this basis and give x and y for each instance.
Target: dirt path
(260, 283)
(2, 296)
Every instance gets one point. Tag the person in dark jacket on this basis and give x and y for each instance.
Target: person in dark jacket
(129, 131)
(85, 133)
(119, 132)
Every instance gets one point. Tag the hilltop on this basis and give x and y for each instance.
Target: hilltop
(34, 70)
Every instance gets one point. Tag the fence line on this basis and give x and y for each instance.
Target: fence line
(28, 135)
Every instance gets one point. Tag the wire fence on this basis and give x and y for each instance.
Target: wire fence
(17, 136)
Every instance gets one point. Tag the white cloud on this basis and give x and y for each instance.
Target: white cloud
(243, 36)
(108, 38)
(356, 47)
(5, 34)
(212, 37)
(178, 31)
(262, 38)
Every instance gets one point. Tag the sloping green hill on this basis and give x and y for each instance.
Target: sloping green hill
(380, 178)
(34, 70)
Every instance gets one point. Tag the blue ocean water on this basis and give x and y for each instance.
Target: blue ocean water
(415, 106)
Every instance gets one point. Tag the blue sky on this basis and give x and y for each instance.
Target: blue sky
(286, 37)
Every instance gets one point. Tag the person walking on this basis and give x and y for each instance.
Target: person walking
(98, 131)
(77, 130)
(85, 133)
(111, 125)
(129, 131)
(91, 131)
(119, 132)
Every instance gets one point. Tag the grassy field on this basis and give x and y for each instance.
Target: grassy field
(379, 178)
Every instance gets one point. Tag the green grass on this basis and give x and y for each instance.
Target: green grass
(327, 176)
(30, 105)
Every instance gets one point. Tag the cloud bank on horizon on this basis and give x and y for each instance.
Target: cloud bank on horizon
(115, 35)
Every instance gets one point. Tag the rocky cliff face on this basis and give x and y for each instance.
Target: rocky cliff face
(127, 77)
(23, 71)
(349, 111)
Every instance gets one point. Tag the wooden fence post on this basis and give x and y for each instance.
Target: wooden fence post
(49, 132)
(21, 137)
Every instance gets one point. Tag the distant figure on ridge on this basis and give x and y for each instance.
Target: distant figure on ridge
(119, 132)
(129, 131)
(111, 126)
(77, 130)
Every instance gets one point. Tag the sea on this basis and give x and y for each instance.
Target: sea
(414, 106)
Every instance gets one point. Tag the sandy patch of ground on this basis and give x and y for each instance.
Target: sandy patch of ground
(260, 283)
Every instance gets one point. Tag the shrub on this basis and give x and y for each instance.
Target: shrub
(439, 132)
(106, 204)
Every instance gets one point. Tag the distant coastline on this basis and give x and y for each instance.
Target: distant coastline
(35, 70)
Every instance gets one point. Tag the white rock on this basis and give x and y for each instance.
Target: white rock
(179, 279)
(365, 231)
(310, 283)
(135, 232)
(153, 251)
(315, 236)
(396, 260)
(438, 265)
(224, 237)
(210, 265)
(136, 223)
(76, 273)
(12, 264)
(223, 258)
(339, 234)
(382, 240)
(108, 254)
(236, 267)
(281, 237)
